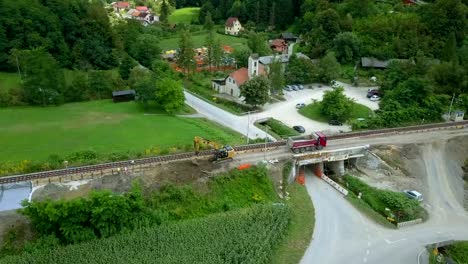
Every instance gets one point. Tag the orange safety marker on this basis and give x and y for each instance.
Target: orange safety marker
(244, 166)
(301, 177)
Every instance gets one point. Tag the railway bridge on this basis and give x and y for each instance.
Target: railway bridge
(333, 159)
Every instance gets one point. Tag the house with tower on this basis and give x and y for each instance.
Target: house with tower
(231, 84)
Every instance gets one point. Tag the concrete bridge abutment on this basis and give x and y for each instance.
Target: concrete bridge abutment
(337, 167)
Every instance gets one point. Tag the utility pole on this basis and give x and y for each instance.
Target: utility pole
(266, 139)
(451, 103)
(19, 70)
(248, 126)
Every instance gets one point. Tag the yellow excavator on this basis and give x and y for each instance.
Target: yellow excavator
(221, 152)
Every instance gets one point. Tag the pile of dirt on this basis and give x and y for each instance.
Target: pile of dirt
(399, 167)
(393, 167)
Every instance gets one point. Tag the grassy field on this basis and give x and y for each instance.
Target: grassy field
(9, 80)
(300, 228)
(312, 111)
(199, 39)
(102, 126)
(184, 15)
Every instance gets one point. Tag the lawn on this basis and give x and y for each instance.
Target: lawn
(279, 129)
(9, 80)
(36, 132)
(312, 111)
(300, 228)
(199, 39)
(458, 251)
(184, 15)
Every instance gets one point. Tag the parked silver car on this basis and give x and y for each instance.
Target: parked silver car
(414, 195)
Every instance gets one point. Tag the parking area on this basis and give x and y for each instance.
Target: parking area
(287, 113)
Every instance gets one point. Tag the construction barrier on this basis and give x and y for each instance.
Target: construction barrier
(301, 176)
(244, 166)
(318, 172)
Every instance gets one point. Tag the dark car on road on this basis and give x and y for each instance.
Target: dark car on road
(372, 92)
(300, 105)
(335, 122)
(299, 129)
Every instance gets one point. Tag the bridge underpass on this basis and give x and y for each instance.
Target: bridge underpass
(328, 162)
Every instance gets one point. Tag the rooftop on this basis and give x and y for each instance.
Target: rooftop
(240, 76)
(230, 21)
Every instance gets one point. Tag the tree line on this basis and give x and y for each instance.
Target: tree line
(69, 51)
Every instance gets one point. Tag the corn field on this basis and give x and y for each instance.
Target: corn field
(239, 236)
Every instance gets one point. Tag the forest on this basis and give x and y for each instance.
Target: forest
(41, 38)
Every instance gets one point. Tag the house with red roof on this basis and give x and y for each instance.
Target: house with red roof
(141, 8)
(121, 6)
(232, 26)
(279, 46)
(232, 83)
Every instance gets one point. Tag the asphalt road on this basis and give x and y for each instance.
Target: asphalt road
(343, 235)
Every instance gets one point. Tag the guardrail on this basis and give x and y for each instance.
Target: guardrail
(190, 155)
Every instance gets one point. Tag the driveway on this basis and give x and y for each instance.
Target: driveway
(343, 235)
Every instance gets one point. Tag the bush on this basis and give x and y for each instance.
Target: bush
(101, 215)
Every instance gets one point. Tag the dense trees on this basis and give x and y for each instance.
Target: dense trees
(255, 91)
(257, 44)
(301, 70)
(276, 76)
(185, 56)
(335, 105)
(43, 80)
(101, 215)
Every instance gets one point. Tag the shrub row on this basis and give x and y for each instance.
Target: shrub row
(401, 208)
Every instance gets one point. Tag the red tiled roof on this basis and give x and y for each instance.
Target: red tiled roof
(278, 45)
(122, 4)
(141, 8)
(228, 49)
(240, 76)
(230, 21)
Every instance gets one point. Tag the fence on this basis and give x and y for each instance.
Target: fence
(465, 200)
(409, 223)
(335, 185)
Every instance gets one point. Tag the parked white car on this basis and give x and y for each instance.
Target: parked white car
(374, 98)
(412, 194)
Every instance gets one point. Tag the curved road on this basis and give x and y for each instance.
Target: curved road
(343, 235)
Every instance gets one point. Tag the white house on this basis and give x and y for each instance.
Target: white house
(231, 84)
(256, 66)
(232, 26)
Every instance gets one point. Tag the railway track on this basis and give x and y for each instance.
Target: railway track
(189, 155)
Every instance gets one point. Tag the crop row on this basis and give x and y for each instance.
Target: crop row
(240, 236)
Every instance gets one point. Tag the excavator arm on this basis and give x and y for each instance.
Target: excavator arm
(221, 152)
(197, 141)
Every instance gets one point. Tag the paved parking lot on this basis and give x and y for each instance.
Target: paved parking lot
(287, 113)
